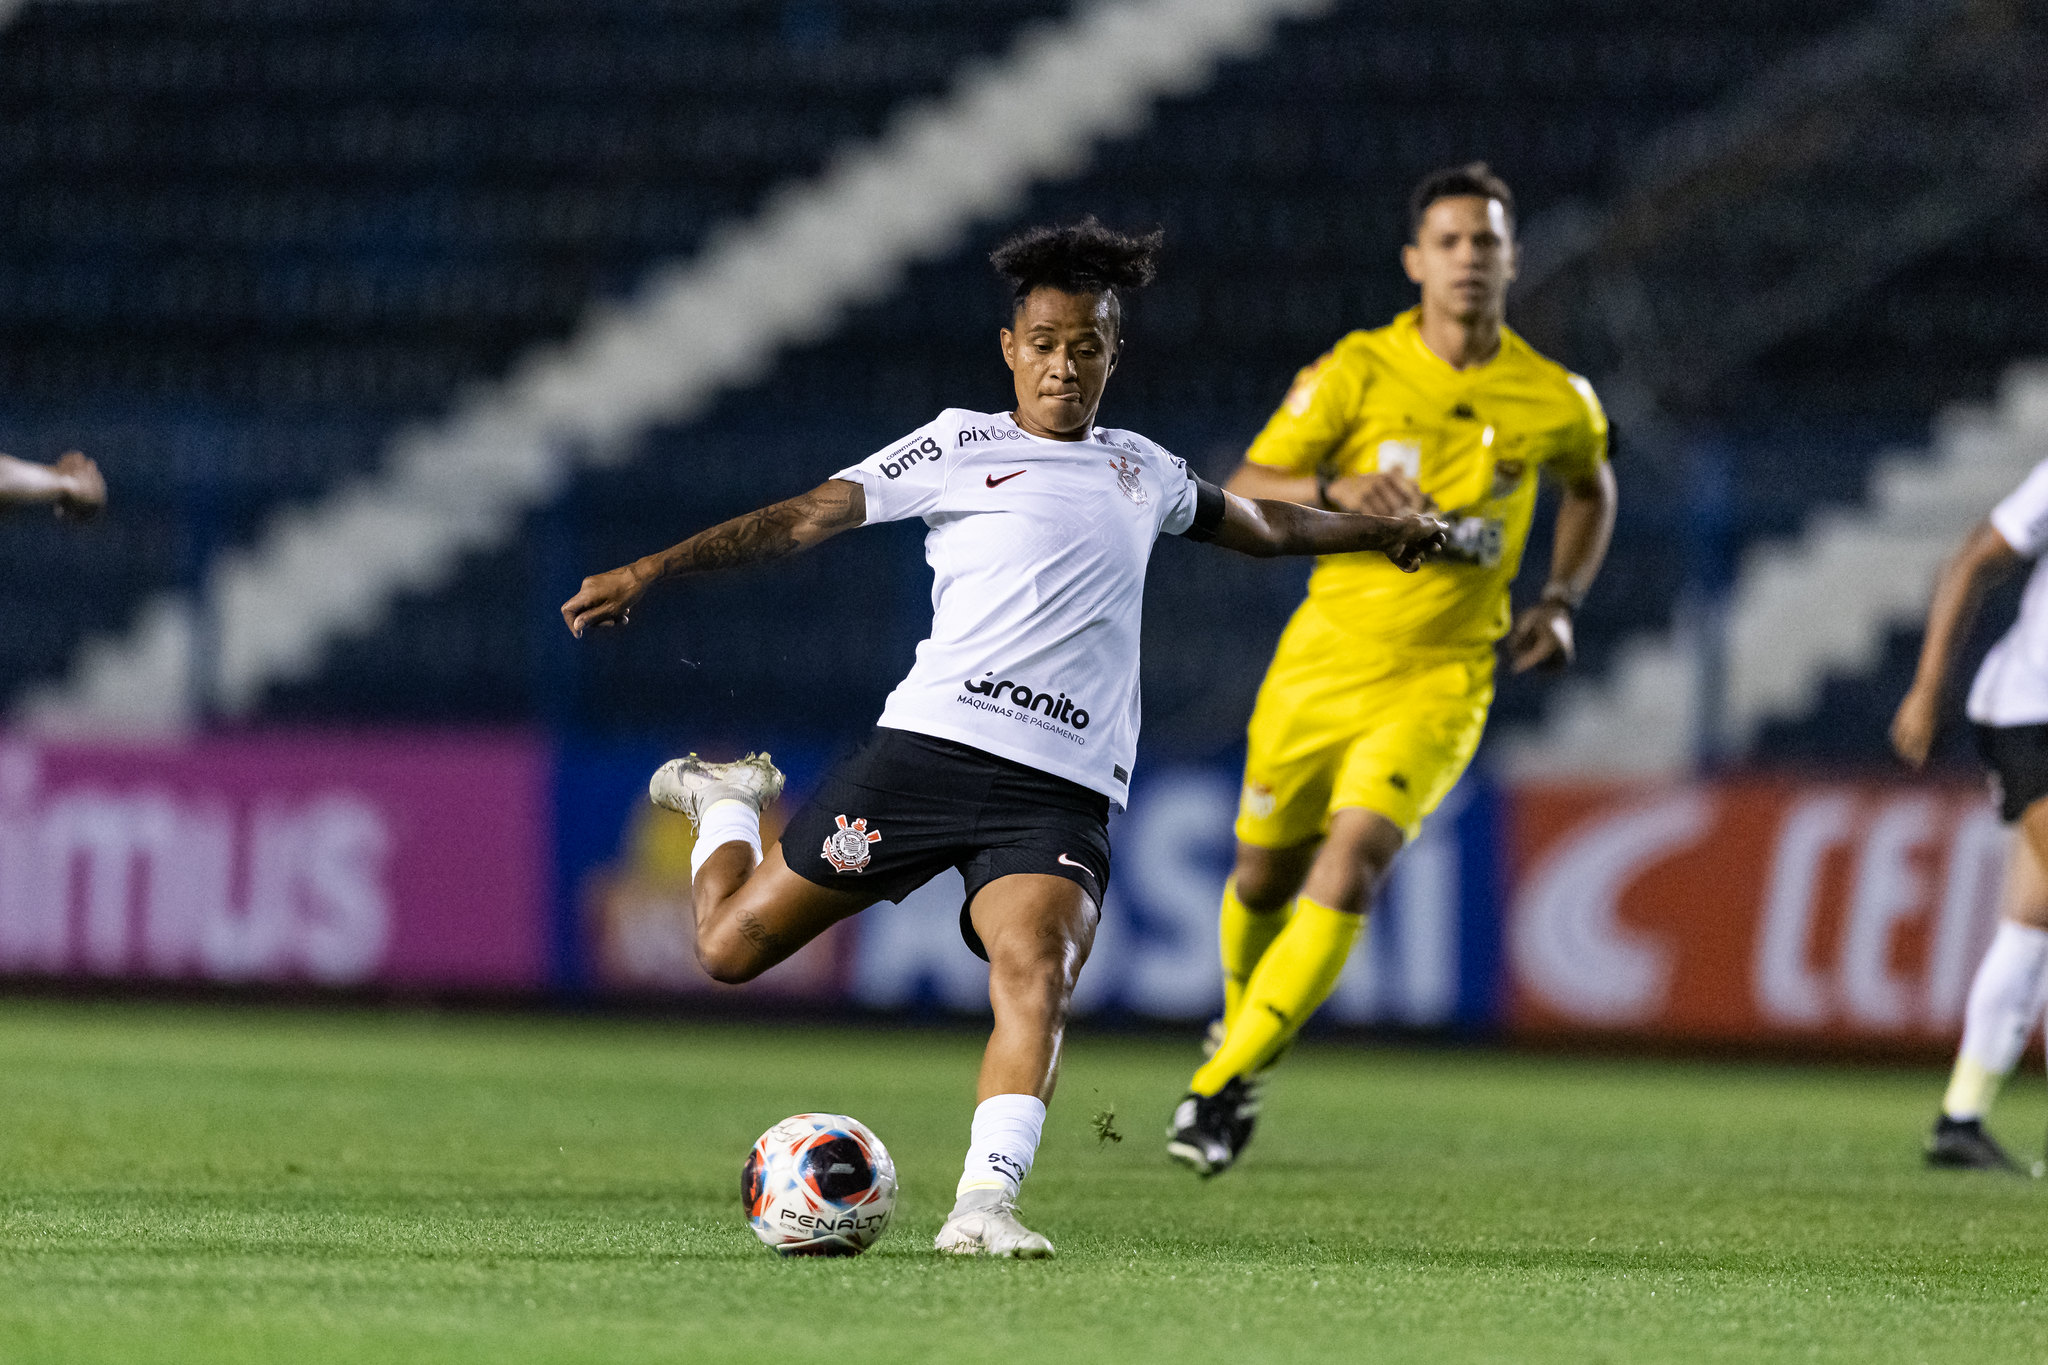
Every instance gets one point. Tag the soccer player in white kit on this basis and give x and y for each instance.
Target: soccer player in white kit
(2009, 706)
(1017, 728)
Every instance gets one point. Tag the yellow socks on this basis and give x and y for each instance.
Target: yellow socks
(1971, 1089)
(1294, 976)
(1244, 936)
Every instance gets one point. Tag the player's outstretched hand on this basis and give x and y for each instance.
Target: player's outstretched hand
(1541, 638)
(85, 489)
(1417, 538)
(1914, 726)
(605, 599)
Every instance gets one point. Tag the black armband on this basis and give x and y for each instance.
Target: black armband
(1208, 511)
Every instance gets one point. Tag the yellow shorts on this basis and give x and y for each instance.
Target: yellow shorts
(1341, 723)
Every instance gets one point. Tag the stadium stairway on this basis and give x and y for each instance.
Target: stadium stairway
(1825, 604)
(1279, 187)
(1280, 190)
(249, 242)
(267, 613)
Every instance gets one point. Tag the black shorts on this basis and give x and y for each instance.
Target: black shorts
(906, 807)
(2018, 758)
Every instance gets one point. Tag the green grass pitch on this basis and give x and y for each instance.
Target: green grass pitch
(183, 1184)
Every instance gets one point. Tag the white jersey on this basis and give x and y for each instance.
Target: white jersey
(1038, 551)
(2012, 683)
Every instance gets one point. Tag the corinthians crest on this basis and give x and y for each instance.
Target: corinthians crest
(846, 848)
(1127, 481)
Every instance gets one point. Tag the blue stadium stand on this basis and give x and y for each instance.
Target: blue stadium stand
(254, 240)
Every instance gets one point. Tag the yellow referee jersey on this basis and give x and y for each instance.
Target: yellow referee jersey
(1472, 439)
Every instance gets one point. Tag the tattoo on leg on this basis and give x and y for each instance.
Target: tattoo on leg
(755, 932)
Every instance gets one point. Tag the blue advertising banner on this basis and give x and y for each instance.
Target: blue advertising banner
(1431, 958)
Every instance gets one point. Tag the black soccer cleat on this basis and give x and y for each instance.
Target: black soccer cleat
(1210, 1132)
(1963, 1145)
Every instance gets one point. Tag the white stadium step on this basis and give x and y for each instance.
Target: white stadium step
(1802, 610)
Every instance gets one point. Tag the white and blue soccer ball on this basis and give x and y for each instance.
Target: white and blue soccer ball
(819, 1185)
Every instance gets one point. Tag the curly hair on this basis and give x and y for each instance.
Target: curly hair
(1083, 258)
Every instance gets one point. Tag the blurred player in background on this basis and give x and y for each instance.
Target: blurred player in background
(1003, 750)
(72, 486)
(1378, 692)
(2009, 707)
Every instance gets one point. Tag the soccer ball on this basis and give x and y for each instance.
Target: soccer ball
(819, 1185)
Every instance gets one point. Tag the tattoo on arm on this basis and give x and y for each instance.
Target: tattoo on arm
(772, 532)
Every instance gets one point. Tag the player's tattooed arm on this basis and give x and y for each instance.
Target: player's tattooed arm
(771, 533)
(798, 523)
(1268, 527)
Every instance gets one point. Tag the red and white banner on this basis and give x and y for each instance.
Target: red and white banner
(417, 860)
(1750, 910)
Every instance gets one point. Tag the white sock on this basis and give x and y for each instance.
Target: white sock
(730, 821)
(1002, 1144)
(2004, 999)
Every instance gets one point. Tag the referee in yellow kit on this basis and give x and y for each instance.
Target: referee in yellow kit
(1378, 692)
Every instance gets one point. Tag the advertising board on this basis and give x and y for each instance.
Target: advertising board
(1429, 960)
(1754, 909)
(353, 860)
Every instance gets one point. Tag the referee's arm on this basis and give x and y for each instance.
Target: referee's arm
(1381, 495)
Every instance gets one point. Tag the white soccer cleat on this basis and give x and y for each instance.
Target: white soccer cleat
(986, 1225)
(690, 786)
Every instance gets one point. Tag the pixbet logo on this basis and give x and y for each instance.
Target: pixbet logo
(910, 456)
(1059, 706)
(978, 436)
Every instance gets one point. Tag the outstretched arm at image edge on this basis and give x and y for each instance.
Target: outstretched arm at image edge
(1267, 528)
(73, 483)
(773, 532)
(1984, 559)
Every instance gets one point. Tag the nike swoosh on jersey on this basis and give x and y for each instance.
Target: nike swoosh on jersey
(1071, 863)
(991, 480)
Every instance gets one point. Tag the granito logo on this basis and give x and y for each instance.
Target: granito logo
(977, 436)
(911, 456)
(1059, 706)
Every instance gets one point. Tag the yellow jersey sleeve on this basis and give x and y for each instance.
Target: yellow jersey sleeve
(1582, 447)
(1316, 417)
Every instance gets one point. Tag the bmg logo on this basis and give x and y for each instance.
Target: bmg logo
(911, 456)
